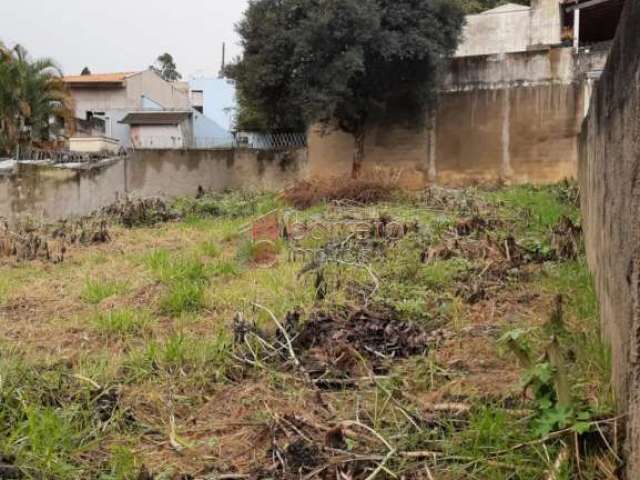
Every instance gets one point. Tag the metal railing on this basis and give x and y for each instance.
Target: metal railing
(271, 141)
(252, 141)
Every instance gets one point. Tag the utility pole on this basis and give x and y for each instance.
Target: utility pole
(224, 53)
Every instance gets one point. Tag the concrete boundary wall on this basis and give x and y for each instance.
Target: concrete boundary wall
(52, 193)
(609, 174)
(513, 117)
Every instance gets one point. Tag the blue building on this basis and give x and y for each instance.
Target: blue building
(217, 98)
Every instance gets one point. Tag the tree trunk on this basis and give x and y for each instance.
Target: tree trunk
(358, 153)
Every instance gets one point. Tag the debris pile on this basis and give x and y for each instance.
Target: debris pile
(140, 213)
(362, 191)
(566, 239)
(337, 349)
(27, 242)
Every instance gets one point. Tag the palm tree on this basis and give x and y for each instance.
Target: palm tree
(31, 93)
(8, 99)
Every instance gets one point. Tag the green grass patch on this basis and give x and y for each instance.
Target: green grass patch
(202, 358)
(4, 290)
(124, 464)
(43, 441)
(183, 296)
(484, 448)
(237, 204)
(97, 290)
(121, 323)
(210, 249)
(593, 361)
(169, 269)
(535, 209)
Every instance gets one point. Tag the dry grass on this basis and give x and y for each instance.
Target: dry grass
(130, 378)
(361, 191)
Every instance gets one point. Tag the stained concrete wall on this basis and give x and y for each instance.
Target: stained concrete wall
(51, 193)
(546, 24)
(512, 28)
(514, 117)
(503, 29)
(609, 175)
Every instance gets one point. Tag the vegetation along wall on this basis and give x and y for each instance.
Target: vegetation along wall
(52, 193)
(609, 174)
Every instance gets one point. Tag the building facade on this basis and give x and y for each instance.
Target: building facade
(114, 108)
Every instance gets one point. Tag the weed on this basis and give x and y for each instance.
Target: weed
(183, 296)
(229, 205)
(203, 358)
(535, 209)
(168, 269)
(121, 323)
(4, 290)
(42, 442)
(97, 290)
(226, 269)
(210, 249)
(123, 466)
(491, 430)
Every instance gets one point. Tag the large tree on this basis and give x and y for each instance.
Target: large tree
(31, 93)
(166, 68)
(343, 63)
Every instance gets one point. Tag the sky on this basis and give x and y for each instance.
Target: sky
(124, 35)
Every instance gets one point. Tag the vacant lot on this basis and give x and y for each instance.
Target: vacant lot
(446, 335)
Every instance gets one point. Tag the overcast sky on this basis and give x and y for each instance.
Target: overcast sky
(124, 35)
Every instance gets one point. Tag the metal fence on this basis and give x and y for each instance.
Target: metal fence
(253, 141)
(271, 141)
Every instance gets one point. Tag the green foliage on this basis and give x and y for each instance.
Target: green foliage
(490, 430)
(535, 209)
(210, 249)
(202, 358)
(342, 62)
(441, 274)
(4, 289)
(31, 93)
(237, 204)
(183, 296)
(123, 466)
(121, 323)
(165, 66)
(226, 269)
(43, 441)
(97, 290)
(168, 269)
